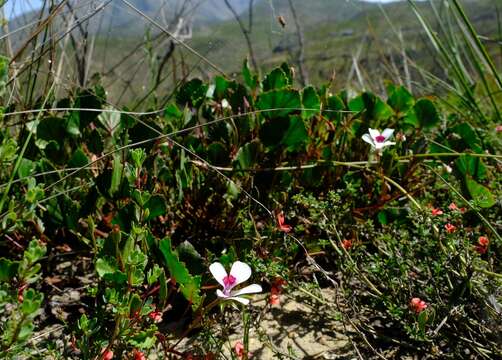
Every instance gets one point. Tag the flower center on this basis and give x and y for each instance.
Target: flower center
(380, 138)
(229, 281)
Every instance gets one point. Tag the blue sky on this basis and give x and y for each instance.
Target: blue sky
(16, 7)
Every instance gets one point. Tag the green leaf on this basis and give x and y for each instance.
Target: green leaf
(473, 166)
(4, 72)
(422, 321)
(480, 194)
(163, 287)
(296, 135)
(173, 112)
(73, 124)
(78, 159)
(217, 153)
(247, 155)
(35, 193)
(51, 129)
(144, 339)
(8, 269)
(8, 150)
(110, 121)
(469, 136)
(310, 101)
(272, 132)
(135, 304)
(189, 285)
(156, 207)
(106, 266)
(220, 87)
(356, 104)
(189, 255)
(400, 99)
(192, 93)
(31, 302)
(116, 174)
(275, 80)
(335, 105)
(34, 252)
(95, 142)
(83, 323)
(374, 108)
(426, 113)
(280, 103)
(26, 168)
(138, 157)
(153, 274)
(287, 70)
(250, 79)
(89, 99)
(382, 217)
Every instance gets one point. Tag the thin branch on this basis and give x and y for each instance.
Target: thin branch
(164, 30)
(301, 44)
(246, 31)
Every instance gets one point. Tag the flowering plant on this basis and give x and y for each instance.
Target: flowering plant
(378, 140)
(239, 273)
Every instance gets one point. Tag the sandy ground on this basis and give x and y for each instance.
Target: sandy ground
(296, 330)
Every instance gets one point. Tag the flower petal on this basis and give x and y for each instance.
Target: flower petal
(240, 271)
(368, 139)
(379, 146)
(218, 272)
(221, 294)
(389, 143)
(387, 133)
(225, 297)
(251, 289)
(241, 300)
(374, 133)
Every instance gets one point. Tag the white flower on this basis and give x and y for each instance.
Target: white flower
(377, 139)
(239, 273)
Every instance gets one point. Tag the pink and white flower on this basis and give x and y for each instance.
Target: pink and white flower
(156, 316)
(378, 140)
(239, 350)
(436, 212)
(239, 273)
(418, 305)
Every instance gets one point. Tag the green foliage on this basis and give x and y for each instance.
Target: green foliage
(19, 302)
(4, 73)
(147, 218)
(279, 103)
(426, 114)
(189, 285)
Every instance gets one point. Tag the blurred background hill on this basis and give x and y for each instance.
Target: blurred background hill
(127, 42)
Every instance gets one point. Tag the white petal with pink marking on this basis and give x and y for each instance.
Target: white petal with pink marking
(240, 271)
(219, 272)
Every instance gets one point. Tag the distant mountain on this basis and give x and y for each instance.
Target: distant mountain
(120, 19)
(337, 35)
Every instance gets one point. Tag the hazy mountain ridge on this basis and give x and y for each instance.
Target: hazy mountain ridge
(117, 18)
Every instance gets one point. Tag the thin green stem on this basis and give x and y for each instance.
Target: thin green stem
(449, 154)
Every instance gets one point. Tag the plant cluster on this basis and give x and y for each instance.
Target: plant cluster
(241, 174)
